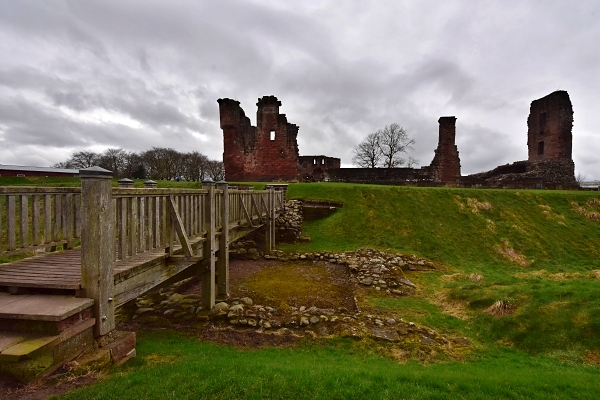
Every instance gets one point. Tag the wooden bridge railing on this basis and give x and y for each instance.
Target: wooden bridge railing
(118, 224)
(32, 218)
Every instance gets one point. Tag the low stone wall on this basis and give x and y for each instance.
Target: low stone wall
(288, 226)
(387, 176)
(540, 174)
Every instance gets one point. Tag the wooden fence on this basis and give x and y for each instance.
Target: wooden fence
(116, 225)
(33, 218)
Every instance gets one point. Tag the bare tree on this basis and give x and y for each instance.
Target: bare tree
(384, 148)
(114, 160)
(368, 153)
(215, 170)
(162, 163)
(195, 165)
(393, 142)
(580, 178)
(83, 159)
(412, 162)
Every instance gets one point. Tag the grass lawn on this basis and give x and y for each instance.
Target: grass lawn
(172, 366)
(535, 252)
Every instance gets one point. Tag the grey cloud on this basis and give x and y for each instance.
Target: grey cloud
(341, 70)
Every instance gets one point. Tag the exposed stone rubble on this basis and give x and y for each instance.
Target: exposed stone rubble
(288, 225)
(368, 267)
(242, 313)
(247, 249)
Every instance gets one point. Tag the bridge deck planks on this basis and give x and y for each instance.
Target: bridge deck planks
(62, 270)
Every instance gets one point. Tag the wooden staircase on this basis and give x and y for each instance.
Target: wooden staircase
(39, 332)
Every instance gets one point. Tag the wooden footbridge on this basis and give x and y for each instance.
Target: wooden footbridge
(119, 243)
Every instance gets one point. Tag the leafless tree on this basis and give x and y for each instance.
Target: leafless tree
(156, 163)
(580, 178)
(412, 162)
(393, 142)
(384, 148)
(215, 170)
(161, 163)
(368, 153)
(114, 160)
(82, 160)
(195, 165)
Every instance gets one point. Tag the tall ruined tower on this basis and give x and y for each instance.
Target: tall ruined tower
(550, 124)
(267, 152)
(445, 166)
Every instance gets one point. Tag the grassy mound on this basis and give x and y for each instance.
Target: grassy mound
(535, 254)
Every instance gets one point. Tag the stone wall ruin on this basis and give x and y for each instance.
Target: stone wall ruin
(265, 152)
(269, 152)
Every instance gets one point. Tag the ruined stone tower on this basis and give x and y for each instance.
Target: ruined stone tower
(550, 123)
(445, 167)
(267, 152)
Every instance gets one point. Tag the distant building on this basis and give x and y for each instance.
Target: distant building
(20, 170)
(314, 168)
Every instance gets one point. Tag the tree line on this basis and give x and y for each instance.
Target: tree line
(384, 149)
(157, 163)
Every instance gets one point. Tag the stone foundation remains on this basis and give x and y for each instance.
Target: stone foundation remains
(316, 168)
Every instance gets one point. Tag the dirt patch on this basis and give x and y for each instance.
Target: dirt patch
(56, 385)
(248, 338)
(501, 308)
(560, 276)
(451, 307)
(513, 255)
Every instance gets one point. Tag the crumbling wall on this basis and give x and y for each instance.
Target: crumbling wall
(549, 127)
(315, 168)
(537, 174)
(549, 143)
(267, 152)
(387, 176)
(445, 167)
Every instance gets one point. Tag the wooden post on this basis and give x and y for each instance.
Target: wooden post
(98, 245)
(270, 232)
(208, 274)
(223, 259)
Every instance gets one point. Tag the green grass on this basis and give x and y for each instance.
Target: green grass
(542, 350)
(172, 366)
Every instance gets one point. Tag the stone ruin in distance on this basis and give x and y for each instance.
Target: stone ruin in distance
(269, 152)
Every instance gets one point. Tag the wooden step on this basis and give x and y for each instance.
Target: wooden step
(41, 307)
(26, 356)
(42, 314)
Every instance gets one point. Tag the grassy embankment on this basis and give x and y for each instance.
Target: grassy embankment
(536, 251)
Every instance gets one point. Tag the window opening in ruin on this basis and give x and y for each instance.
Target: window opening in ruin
(315, 161)
(322, 161)
(542, 122)
(540, 148)
(272, 135)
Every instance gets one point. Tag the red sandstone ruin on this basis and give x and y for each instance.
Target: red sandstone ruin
(265, 152)
(445, 167)
(269, 152)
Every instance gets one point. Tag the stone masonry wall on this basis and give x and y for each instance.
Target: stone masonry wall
(550, 124)
(267, 152)
(316, 168)
(445, 166)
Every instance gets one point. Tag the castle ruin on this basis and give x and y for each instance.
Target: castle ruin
(269, 152)
(445, 167)
(265, 152)
(549, 143)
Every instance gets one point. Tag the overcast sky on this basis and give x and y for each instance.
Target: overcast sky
(89, 75)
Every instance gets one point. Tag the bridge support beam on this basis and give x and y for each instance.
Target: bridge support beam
(270, 231)
(207, 277)
(223, 258)
(98, 245)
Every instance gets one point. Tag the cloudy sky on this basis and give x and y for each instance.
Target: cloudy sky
(89, 75)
